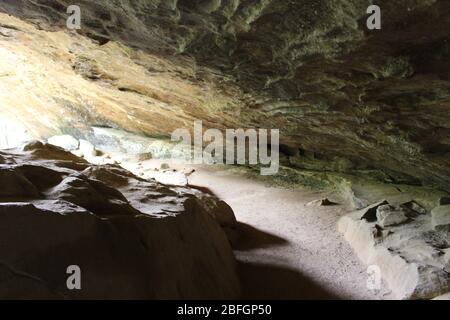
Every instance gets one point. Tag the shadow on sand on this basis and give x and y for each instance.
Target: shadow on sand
(270, 282)
(252, 238)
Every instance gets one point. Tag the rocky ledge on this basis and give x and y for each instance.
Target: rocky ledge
(130, 237)
(409, 247)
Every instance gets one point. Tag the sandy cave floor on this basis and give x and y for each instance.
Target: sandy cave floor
(287, 250)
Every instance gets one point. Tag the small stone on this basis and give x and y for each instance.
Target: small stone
(144, 156)
(388, 215)
(164, 166)
(321, 203)
(414, 206)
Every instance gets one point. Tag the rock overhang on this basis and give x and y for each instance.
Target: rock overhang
(311, 69)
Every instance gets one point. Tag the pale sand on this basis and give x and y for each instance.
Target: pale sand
(288, 250)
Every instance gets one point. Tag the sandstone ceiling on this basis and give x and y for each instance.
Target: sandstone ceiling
(309, 68)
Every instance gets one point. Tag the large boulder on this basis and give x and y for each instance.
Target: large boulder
(131, 238)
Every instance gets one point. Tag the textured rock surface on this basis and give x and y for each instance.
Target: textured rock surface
(373, 99)
(132, 238)
(440, 217)
(413, 257)
(388, 216)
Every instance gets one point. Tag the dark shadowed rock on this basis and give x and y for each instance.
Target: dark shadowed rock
(321, 203)
(132, 238)
(444, 201)
(370, 213)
